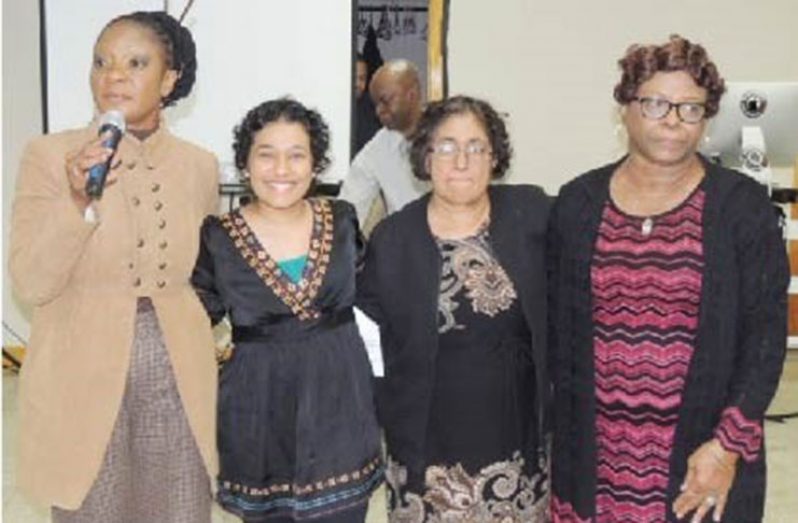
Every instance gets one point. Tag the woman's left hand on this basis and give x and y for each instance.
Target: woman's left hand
(710, 474)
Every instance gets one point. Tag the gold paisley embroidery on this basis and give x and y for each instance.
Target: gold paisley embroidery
(499, 493)
(469, 264)
(297, 296)
(405, 507)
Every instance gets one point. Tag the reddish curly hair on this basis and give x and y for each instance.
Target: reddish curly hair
(641, 62)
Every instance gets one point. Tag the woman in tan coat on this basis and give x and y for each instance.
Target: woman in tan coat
(117, 394)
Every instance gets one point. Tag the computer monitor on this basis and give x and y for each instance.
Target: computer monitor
(771, 106)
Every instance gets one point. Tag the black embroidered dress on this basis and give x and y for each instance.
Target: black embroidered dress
(297, 434)
(481, 464)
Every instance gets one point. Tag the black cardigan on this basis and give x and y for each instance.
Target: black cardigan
(399, 285)
(740, 344)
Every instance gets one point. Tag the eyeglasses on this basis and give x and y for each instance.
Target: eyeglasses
(658, 108)
(449, 150)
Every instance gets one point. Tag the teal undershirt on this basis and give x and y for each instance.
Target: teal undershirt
(293, 267)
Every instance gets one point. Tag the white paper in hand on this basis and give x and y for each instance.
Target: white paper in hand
(370, 332)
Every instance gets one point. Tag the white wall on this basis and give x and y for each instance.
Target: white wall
(553, 65)
(21, 121)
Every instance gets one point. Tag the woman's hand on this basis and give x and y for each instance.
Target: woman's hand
(79, 162)
(710, 474)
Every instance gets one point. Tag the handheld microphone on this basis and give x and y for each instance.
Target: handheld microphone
(113, 121)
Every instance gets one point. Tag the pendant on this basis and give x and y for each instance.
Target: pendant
(646, 226)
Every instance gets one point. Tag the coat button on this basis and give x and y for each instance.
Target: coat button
(161, 284)
(131, 165)
(135, 201)
(140, 243)
(162, 265)
(137, 282)
(130, 266)
(156, 187)
(163, 245)
(158, 206)
(161, 223)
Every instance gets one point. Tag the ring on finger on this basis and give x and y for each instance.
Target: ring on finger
(710, 501)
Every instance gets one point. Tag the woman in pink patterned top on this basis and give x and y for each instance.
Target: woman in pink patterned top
(668, 286)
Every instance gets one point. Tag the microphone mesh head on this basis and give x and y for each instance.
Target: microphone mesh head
(113, 117)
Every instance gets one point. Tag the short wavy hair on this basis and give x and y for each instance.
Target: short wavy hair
(641, 62)
(434, 115)
(178, 45)
(283, 109)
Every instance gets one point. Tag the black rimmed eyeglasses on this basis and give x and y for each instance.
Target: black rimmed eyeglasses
(658, 108)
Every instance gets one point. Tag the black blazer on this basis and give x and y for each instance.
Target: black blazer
(399, 285)
(740, 344)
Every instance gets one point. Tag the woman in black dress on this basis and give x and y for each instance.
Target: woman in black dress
(456, 282)
(297, 433)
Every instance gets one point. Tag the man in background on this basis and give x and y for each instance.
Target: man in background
(383, 165)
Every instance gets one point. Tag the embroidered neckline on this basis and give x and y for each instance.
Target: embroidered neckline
(297, 296)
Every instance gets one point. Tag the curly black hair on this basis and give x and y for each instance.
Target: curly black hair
(436, 112)
(641, 62)
(178, 45)
(283, 109)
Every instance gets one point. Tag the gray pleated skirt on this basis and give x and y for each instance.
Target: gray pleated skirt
(152, 470)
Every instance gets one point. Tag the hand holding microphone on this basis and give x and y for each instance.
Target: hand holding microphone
(88, 168)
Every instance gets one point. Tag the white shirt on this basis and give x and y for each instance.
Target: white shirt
(382, 165)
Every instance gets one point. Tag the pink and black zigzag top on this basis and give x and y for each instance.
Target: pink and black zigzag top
(646, 296)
